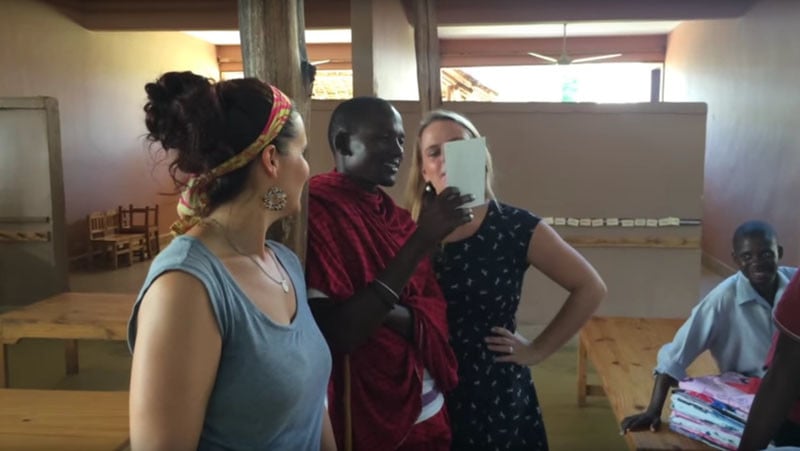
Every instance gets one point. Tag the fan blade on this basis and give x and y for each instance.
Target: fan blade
(546, 58)
(595, 58)
(320, 62)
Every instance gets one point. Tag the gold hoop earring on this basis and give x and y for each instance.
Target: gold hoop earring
(274, 199)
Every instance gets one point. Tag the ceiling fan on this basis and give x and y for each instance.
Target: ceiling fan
(565, 59)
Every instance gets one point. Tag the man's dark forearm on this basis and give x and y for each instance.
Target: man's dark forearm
(404, 264)
(661, 388)
(776, 395)
(347, 325)
(768, 411)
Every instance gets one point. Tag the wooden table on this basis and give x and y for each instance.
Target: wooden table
(69, 316)
(41, 420)
(623, 352)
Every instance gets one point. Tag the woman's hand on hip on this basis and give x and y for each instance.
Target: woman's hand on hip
(512, 347)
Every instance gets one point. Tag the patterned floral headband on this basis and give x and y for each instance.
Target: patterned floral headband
(194, 197)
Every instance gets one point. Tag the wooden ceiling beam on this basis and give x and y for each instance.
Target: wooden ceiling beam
(221, 14)
(451, 61)
(583, 46)
(503, 47)
(489, 52)
(456, 12)
(178, 15)
(340, 55)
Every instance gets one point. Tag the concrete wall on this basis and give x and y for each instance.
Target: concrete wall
(98, 79)
(746, 71)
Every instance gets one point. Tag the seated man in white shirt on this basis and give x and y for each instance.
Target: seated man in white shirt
(733, 322)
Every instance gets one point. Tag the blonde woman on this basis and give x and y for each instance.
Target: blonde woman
(480, 268)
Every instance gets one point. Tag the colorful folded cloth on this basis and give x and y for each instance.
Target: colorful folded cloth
(691, 407)
(731, 389)
(713, 409)
(720, 435)
(700, 438)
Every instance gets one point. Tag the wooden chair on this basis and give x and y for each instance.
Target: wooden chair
(103, 236)
(97, 225)
(141, 220)
(118, 224)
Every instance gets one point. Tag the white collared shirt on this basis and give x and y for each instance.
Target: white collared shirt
(733, 322)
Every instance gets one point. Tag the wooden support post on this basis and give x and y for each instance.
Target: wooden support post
(273, 50)
(426, 44)
(362, 47)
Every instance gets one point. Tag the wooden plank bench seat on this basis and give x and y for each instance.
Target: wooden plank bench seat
(42, 420)
(623, 353)
(69, 316)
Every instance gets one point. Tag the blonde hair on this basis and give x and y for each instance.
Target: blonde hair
(415, 186)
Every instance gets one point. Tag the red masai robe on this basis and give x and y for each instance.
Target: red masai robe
(352, 235)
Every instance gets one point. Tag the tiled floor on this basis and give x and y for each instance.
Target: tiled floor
(106, 366)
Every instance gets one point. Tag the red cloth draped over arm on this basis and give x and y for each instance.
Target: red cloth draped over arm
(352, 235)
(787, 318)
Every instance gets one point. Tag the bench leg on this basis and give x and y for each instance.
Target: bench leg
(115, 255)
(71, 356)
(582, 389)
(3, 366)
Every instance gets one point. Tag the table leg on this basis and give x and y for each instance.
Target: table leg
(3, 366)
(582, 389)
(71, 356)
(125, 446)
(115, 255)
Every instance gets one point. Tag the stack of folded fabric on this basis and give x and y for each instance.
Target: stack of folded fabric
(713, 409)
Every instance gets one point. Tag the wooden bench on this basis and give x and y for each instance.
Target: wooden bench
(68, 316)
(623, 353)
(42, 420)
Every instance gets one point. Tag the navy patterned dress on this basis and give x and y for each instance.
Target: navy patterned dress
(494, 406)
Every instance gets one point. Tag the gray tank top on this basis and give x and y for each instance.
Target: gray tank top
(271, 381)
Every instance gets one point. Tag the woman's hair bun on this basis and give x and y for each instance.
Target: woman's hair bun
(183, 114)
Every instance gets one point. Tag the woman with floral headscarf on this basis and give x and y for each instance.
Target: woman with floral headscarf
(226, 354)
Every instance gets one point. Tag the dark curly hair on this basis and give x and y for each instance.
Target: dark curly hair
(205, 123)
